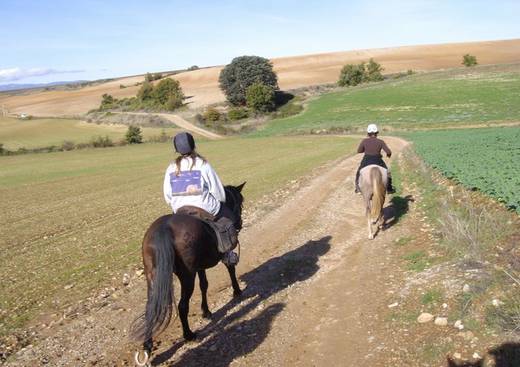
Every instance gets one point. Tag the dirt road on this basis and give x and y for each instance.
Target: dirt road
(314, 292)
(182, 123)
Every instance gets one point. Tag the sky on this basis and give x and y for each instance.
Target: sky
(56, 40)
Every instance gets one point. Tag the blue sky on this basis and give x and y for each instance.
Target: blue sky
(50, 40)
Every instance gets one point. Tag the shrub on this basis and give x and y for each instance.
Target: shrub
(238, 113)
(101, 142)
(133, 135)
(157, 76)
(211, 114)
(166, 89)
(241, 73)
(122, 86)
(193, 67)
(148, 77)
(260, 97)
(469, 60)
(145, 92)
(161, 138)
(373, 71)
(174, 102)
(67, 145)
(107, 101)
(351, 75)
(2, 149)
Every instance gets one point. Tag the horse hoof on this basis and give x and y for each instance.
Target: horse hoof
(142, 362)
(207, 315)
(190, 336)
(370, 237)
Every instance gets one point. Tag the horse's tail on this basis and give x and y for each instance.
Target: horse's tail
(378, 193)
(158, 310)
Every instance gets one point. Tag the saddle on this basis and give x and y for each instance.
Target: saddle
(225, 231)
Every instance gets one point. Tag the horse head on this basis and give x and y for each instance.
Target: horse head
(234, 200)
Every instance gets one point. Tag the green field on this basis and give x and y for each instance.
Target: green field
(483, 159)
(37, 133)
(77, 218)
(483, 94)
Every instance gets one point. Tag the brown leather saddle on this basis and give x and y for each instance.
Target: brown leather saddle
(225, 231)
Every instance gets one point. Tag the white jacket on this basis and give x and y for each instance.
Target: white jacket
(199, 186)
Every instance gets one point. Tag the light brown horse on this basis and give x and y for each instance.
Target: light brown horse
(372, 182)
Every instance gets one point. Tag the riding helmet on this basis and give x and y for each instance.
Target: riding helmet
(372, 129)
(184, 143)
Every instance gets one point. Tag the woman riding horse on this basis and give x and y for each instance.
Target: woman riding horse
(186, 243)
(372, 147)
(191, 182)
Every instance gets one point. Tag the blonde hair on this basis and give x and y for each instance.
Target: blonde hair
(193, 155)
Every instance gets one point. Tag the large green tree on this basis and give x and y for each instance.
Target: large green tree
(241, 73)
(166, 90)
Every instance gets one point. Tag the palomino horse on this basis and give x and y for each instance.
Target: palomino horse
(372, 182)
(186, 246)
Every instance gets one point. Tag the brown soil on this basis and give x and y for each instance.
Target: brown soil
(317, 292)
(293, 72)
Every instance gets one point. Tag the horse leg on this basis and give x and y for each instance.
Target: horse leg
(203, 282)
(187, 284)
(237, 292)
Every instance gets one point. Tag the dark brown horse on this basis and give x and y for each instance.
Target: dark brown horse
(186, 246)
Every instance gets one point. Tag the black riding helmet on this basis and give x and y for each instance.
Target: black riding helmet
(184, 143)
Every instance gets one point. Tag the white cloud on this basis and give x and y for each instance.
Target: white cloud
(13, 74)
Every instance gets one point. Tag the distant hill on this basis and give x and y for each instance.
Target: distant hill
(293, 72)
(15, 86)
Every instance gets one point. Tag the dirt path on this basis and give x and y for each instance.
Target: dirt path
(182, 123)
(314, 291)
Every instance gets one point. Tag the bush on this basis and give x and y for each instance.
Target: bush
(122, 86)
(2, 149)
(145, 92)
(373, 71)
(260, 97)
(107, 101)
(166, 89)
(211, 114)
(101, 142)
(351, 75)
(133, 135)
(238, 113)
(148, 77)
(241, 73)
(67, 145)
(157, 76)
(193, 67)
(161, 138)
(469, 60)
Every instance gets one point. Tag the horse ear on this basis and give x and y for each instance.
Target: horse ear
(241, 186)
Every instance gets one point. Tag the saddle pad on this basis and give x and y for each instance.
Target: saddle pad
(186, 183)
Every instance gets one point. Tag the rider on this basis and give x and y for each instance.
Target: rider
(372, 147)
(191, 181)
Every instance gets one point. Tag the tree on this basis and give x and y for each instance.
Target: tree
(260, 97)
(373, 71)
(145, 92)
(157, 76)
(148, 77)
(241, 73)
(351, 75)
(133, 135)
(193, 67)
(469, 60)
(107, 101)
(168, 89)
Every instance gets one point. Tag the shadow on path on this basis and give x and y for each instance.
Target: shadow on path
(398, 207)
(227, 339)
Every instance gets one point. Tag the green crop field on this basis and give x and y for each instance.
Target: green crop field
(37, 133)
(483, 94)
(77, 218)
(483, 159)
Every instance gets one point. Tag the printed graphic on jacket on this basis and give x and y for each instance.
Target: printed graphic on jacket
(186, 183)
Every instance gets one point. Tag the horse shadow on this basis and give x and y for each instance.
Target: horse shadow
(226, 339)
(398, 207)
(504, 355)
